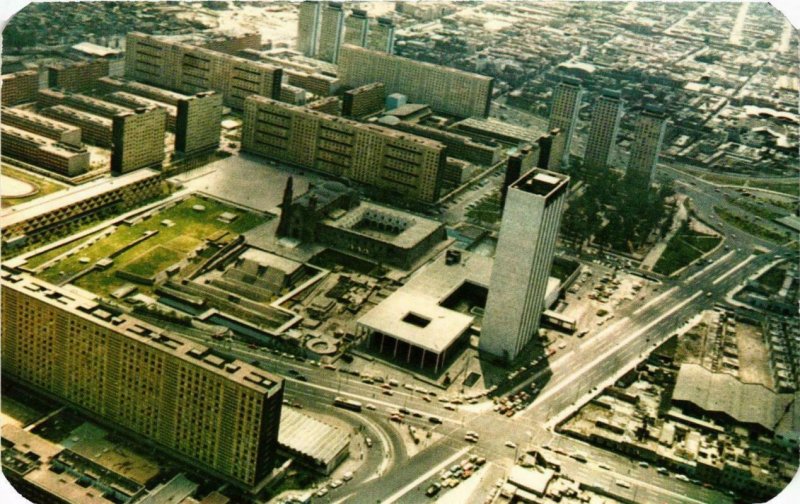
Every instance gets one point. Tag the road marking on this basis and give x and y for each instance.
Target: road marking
(711, 266)
(397, 495)
(654, 300)
(578, 373)
(734, 269)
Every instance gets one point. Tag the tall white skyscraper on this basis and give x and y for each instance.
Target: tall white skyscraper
(646, 147)
(602, 139)
(308, 19)
(564, 116)
(331, 31)
(522, 262)
(356, 27)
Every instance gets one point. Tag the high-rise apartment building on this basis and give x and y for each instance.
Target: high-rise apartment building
(214, 413)
(646, 146)
(79, 76)
(564, 116)
(198, 124)
(356, 28)
(445, 89)
(308, 19)
(524, 255)
(400, 164)
(19, 87)
(138, 139)
(190, 69)
(331, 32)
(602, 140)
(381, 36)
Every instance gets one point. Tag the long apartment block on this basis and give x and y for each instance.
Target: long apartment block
(218, 414)
(95, 129)
(79, 76)
(190, 69)
(44, 152)
(102, 108)
(445, 89)
(20, 87)
(107, 85)
(46, 127)
(398, 163)
(135, 101)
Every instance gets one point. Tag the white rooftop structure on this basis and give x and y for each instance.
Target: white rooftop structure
(301, 434)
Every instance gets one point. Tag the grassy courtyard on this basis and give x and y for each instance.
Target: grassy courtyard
(44, 185)
(683, 248)
(169, 245)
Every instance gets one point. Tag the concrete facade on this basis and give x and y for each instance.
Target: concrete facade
(198, 124)
(524, 255)
(308, 28)
(650, 129)
(138, 138)
(602, 140)
(331, 32)
(564, 116)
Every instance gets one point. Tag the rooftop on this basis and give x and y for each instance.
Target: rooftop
(38, 119)
(541, 182)
(414, 313)
(311, 437)
(43, 143)
(96, 50)
(413, 228)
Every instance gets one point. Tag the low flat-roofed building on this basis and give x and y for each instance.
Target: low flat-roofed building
(49, 212)
(95, 129)
(533, 480)
(44, 126)
(722, 394)
(412, 325)
(44, 152)
(315, 443)
(492, 129)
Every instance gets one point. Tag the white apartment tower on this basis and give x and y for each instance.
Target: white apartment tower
(308, 28)
(564, 116)
(602, 139)
(331, 31)
(522, 262)
(646, 147)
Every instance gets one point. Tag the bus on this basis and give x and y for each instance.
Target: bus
(347, 404)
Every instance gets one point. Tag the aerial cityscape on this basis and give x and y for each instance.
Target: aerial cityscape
(400, 252)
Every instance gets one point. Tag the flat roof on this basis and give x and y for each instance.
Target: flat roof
(403, 315)
(417, 228)
(47, 122)
(95, 50)
(125, 325)
(271, 260)
(313, 438)
(42, 142)
(723, 393)
(541, 182)
(69, 196)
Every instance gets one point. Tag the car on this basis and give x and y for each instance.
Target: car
(404, 411)
(394, 383)
(470, 439)
(511, 444)
(370, 406)
(394, 417)
(662, 470)
(329, 367)
(426, 399)
(347, 476)
(433, 489)
(302, 378)
(623, 484)
(322, 492)
(335, 483)
(388, 392)
(294, 372)
(435, 420)
(644, 464)
(682, 477)
(604, 466)
(416, 414)
(449, 407)
(473, 434)
(368, 441)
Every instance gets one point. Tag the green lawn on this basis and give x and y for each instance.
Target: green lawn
(169, 245)
(792, 188)
(36, 261)
(750, 226)
(682, 249)
(45, 185)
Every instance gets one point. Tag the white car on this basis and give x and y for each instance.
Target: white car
(511, 445)
(322, 492)
(347, 476)
(335, 483)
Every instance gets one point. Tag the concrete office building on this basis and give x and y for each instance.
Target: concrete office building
(331, 32)
(51, 213)
(564, 116)
(403, 165)
(31, 121)
(134, 101)
(198, 123)
(364, 100)
(80, 76)
(138, 138)
(190, 69)
(216, 414)
(95, 130)
(522, 262)
(602, 140)
(43, 152)
(445, 89)
(518, 163)
(356, 28)
(19, 87)
(380, 36)
(308, 18)
(646, 146)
